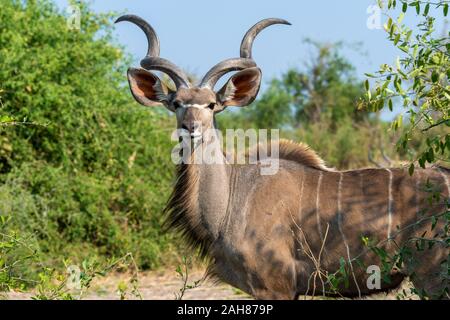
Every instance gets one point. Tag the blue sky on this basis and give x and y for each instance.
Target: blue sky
(199, 33)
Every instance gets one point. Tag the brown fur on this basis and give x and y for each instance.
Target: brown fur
(181, 207)
(268, 280)
(295, 151)
(301, 153)
(195, 96)
(265, 234)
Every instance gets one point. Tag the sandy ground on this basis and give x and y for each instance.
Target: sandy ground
(163, 285)
(155, 285)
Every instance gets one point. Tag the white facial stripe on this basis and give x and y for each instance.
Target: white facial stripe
(196, 106)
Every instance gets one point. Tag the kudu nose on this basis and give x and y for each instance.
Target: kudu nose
(191, 126)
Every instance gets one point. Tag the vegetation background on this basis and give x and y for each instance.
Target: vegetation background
(85, 171)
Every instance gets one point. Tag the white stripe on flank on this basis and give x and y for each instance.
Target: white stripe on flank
(446, 181)
(339, 204)
(389, 204)
(319, 182)
(300, 207)
(361, 182)
(416, 198)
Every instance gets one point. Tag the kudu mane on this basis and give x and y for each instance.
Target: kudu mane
(301, 153)
(180, 210)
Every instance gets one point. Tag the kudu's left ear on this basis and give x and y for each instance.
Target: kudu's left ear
(241, 89)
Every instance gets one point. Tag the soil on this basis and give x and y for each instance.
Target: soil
(164, 285)
(153, 285)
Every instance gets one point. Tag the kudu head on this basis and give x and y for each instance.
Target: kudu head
(196, 105)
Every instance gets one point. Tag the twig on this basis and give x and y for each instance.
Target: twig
(316, 261)
(436, 124)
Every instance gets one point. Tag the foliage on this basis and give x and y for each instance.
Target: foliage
(418, 81)
(17, 255)
(182, 271)
(92, 177)
(10, 244)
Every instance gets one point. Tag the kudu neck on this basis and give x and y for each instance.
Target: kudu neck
(213, 179)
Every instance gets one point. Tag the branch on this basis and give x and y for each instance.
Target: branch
(436, 124)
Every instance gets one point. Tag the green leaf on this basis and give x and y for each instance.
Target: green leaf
(178, 270)
(400, 120)
(404, 7)
(389, 24)
(367, 85)
(404, 48)
(427, 9)
(408, 35)
(397, 63)
(365, 241)
(445, 9)
(422, 161)
(430, 155)
(415, 50)
(397, 39)
(434, 221)
(411, 169)
(434, 77)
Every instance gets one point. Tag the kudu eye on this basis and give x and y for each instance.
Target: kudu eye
(212, 106)
(176, 104)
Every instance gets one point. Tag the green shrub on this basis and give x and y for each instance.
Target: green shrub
(92, 172)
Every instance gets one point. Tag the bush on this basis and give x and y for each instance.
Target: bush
(90, 172)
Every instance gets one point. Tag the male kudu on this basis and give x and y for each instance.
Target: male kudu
(274, 236)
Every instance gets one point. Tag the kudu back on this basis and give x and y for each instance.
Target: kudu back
(280, 236)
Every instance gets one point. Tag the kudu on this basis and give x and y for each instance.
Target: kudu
(274, 236)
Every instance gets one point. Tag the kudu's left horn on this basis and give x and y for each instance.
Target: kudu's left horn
(245, 61)
(152, 61)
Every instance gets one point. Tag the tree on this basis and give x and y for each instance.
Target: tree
(327, 85)
(92, 176)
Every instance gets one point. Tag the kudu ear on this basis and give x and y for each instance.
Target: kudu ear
(241, 89)
(147, 88)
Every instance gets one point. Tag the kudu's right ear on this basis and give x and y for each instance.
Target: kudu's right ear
(147, 88)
